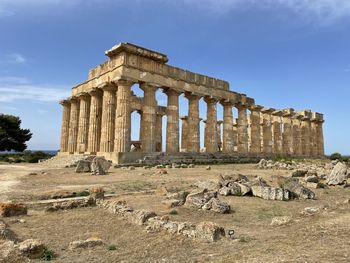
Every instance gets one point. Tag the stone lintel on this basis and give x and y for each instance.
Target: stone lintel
(288, 112)
(107, 86)
(297, 116)
(306, 113)
(137, 50)
(278, 113)
(83, 94)
(256, 108)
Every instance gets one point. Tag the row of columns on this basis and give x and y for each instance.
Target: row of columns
(100, 121)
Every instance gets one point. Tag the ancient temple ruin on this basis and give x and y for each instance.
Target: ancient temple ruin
(97, 117)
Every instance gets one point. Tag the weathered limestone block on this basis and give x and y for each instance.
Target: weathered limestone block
(281, 220)
(215, 205)
(295, 187)
(100, 166)
(209, 231)
(83, 166)
(31, 248)
(338, 174)
(270, 193)
(199, 199)
(88, 243)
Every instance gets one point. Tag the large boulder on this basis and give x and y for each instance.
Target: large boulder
(100, 166)
(295, 187)
(338, 174)
(299, 173)
(83, 166)
(208, 185)
(209, 231)
(199, 199)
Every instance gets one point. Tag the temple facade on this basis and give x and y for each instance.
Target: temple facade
(97, 117)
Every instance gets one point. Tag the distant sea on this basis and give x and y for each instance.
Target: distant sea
(51, 152)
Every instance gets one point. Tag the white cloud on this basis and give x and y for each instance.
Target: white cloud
(15, 58)
(12, 89)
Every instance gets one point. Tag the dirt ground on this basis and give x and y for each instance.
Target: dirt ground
(323, 237)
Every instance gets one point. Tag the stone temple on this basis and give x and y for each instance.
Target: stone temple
(97, 116)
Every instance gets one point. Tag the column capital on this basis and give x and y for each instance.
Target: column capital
(278, 113)
(83, 95)
(226, 103)
(297, 116)
(241, 106)
(192, 96)
(256, 108)
(123, 82)
(288, 112)
(72, 99)
(208, 99)
(64, 102)
(94, 91)
(148, 86)
(170, 91)
(107, 86)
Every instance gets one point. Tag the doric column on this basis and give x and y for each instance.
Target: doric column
(149, 118)
(193, 138)
(305, 133)
(267, 130)
(287, 132)
(83, 127)
(159, 132)
(184, 133)
(65, 125)
(122, 136)
(210, 137)
(73, 125)
(108, 117)
(297, 143)
(277, 132)
(172, 125)
(319, 129)
(95, 121)
(228, 145)
(255, 138)
(218, 135)
(242, 129)
(235, 134)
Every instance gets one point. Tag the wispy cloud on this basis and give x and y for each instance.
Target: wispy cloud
(15, 58)
(12, 89)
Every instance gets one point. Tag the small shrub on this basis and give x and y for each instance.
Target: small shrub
(184, 195)
(335, 156)
(82, 193)
(112, 247)
(47, 255)
(173, 212)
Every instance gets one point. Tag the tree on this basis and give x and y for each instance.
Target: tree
(12, 137)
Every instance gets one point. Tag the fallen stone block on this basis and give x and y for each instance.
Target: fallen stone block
(271, 193)
(171, 203)
(6, 233)
(299, 173)
(338, 175)
(100, 166)
(295, 187)
(209, 231)
(198, 199)
(71, 204)
(217, 206)
(83, 166)
(281, 220)
(31, 248)
(88, 243)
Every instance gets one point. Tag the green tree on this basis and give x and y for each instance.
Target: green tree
(12, 137)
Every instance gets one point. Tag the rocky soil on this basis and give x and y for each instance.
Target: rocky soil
(272, 212)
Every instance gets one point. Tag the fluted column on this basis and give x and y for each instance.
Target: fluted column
(320, 140)
(255, 138)
(193, 138)
(242, 129)
(149, 118)
(65, 125)
(73, 125)
(95, 121)
(305, 133)
(267, 130)
(228, 139)
(83, 127)
(184, 133)
(297, 142)
(159, 132)
(122, 141)
(218, 135)
(277, 132)
(210, 136)
(108, 117)
(287, 132)
(172, 125)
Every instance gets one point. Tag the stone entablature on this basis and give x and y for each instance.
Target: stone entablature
(97, 117)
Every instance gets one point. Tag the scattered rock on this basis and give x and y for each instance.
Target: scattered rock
(294, 186)
(299, 173)
(31, 248)
(313, 185)
(217, 206)
(338, 174)
(208, 168)
(130, 168)
(281, 220)
(83, 166)
(199, 199)
(88, 243)
(191, 165)
(100, 166)
(209, 185)
(209, 231)
(12, 209)
(311, 210)
(311, 179)
(71, 204)
(6, 233)
(171, 203)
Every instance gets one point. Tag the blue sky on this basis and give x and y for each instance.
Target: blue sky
(283, 53)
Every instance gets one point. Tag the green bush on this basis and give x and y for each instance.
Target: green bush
(173, 212)
(336, 156)
(82, 193)
(47, 255)
(112, 247)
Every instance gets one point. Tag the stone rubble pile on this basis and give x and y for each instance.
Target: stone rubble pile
(71, 204)
(207, 200)
(21, 252)
(206, 231)
(63, 161)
